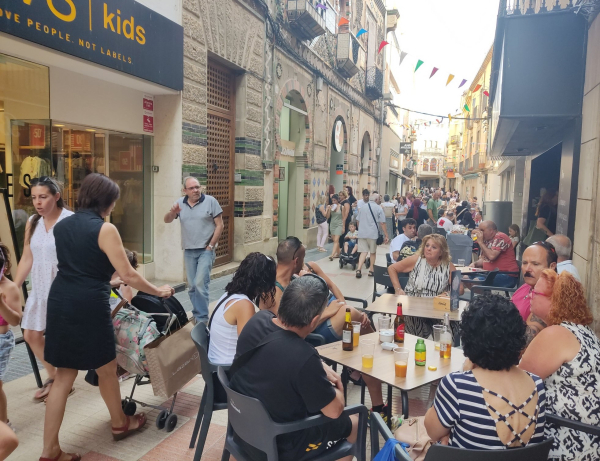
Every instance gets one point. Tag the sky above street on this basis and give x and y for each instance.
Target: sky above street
(452, 35)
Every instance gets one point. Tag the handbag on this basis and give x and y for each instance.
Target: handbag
(380, 236)
(173, 361)
(413, 432)
(534, 235)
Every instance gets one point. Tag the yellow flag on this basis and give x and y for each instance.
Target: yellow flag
(450, 77)
(449, 117)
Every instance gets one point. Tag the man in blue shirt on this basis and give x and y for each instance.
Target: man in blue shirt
(201, 221)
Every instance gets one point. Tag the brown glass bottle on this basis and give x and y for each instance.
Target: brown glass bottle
(347, 332)
(399, 325)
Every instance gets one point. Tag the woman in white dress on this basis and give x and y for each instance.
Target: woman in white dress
(39, 259)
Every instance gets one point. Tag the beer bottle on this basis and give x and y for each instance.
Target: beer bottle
(399, 325)
(347, 331)
(446, 339)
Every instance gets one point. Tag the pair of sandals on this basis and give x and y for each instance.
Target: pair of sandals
(359, 274)
(121, 433)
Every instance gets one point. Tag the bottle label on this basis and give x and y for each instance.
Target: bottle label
(420, 357)
(443, 347)
(347, 336)
(400, 332)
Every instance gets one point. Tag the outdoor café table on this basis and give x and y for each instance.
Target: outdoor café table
(413, 306)
(469, 269)
(383, 365)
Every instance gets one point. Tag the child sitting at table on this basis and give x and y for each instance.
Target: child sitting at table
(351, 239)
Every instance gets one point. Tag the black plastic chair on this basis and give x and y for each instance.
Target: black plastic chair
(388, 259)
(201, 337)
(315, 340)
(576, 425)
(251, 422)
(475, 289)
(534, 452)
(381, 276)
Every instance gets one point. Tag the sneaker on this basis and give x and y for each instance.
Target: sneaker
(383, 413)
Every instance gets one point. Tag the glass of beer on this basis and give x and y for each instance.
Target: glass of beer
(437, 331)
(400, 361)
(355, 333)
(367, 351)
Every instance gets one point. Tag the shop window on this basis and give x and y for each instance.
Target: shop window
(433, 165)
(426, 164)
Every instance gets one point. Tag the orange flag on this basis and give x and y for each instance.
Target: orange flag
(343, 21)
(476, 88)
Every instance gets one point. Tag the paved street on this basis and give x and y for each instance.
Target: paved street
(86, 424)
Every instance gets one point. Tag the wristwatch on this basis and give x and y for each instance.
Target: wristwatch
(210, 247)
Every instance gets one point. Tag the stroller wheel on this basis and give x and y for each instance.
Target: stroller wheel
(129, 408)
(171, 422)
(161, 419)
(341, 264)
(368, 263)
(353, 267)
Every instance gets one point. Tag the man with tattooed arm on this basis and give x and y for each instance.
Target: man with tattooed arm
(536, 258)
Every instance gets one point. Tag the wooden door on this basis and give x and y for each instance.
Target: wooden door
(221, 151)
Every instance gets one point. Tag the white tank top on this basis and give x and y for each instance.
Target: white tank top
(223, 336)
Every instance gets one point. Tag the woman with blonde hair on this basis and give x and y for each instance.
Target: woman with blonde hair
(322, 213)
(566, 355)
(430, 275)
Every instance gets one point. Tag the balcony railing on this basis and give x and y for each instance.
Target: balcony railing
(350, 55)
(304, 19)
(522, 7)
(374, 84)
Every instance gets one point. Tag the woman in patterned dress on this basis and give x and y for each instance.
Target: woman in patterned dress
(430, 275)
(566, 354)
(39, 260)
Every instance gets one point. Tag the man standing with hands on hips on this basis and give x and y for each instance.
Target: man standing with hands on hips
(201, 226)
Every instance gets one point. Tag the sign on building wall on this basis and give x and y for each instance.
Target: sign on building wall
(120, 34)
(338, 136)
(405, 148)
(148, 113)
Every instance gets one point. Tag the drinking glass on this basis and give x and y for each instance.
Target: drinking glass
(384, 322)
(367, 350)
(355, 333)
(461, 262)
(437, 331)
(400, 361)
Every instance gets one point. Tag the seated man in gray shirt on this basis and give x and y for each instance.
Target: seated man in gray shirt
(201, 221)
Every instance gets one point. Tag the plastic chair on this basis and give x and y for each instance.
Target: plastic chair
(533, 452)
(576, 425)
(315, 340)
(381, 276)
(476, 289)
(251, 422)
(461, 247)
(201, 336)
(388, 259)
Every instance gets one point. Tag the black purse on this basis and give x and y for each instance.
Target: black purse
(380, 236)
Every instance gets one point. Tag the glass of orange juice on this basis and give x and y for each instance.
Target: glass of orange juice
(400, 361)
(367, 351)
(355, 333)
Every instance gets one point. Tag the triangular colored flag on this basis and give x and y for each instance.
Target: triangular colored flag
(467, 108)
(320, 5)
(449, 117)
(439, 121)
(419, 64)
(487, 93)
(402, 56)
(435, 69)
(450, 77)
(462, 83)
(360, 32)
(477, 88)
(342, 22)
(381, 45)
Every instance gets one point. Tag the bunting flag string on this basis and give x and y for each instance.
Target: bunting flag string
(360, 32)
(381, 45)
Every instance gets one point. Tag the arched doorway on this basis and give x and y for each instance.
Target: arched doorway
(338, 153)
(365, 157)
(292, 130)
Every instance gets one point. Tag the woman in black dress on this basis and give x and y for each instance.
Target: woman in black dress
(79, 330)
(417, 213)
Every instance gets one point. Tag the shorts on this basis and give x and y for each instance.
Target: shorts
(326, 330)
(317, 440)
(367, 245)
(7, 344)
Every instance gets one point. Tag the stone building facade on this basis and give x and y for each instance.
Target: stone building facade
(247, 73)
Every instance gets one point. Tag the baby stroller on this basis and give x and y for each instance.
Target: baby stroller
(352, 260)
(138, 324)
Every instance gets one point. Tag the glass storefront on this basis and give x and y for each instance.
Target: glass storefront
(32, 145)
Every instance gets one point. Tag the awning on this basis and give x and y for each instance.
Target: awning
(394, 173)
(405, 177)
(450, 175)
(471, 176)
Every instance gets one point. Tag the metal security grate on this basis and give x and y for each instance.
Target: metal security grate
(220, 156)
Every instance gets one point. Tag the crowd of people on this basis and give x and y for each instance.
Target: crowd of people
(527, 356)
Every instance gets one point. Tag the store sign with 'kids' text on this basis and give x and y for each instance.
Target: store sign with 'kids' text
(120, 34)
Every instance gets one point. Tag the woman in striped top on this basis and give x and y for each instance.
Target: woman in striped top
(494, 405)
(430, 269)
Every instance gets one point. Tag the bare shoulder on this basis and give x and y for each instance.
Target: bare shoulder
(10, 290)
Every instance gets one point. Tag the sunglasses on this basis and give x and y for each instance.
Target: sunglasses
(41, 180)
(297, 241)
(546, 245)
(325, 286)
